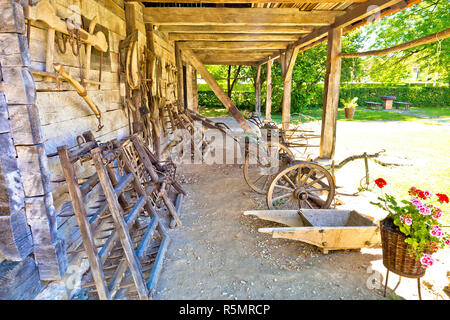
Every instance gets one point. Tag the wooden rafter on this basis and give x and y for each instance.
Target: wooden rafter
(236, 45)
(235, 29)
(231, 37)
(239, 16)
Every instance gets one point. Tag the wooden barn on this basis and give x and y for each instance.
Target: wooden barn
(90, 93)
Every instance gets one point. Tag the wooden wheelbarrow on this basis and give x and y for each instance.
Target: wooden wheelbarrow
(328, 229)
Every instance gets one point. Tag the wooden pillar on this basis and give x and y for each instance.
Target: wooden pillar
(331, 95)
(189, 89)
(194, 89)
(218, 91)
(287, 65)
(269, 90)
(258, 91)
(180, 75)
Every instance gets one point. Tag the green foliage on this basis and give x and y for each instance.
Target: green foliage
(350, 102)
(431, 59)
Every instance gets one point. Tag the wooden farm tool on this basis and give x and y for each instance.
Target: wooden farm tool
(118, 237)
(161, 179)
(81, 90)
(46, 13)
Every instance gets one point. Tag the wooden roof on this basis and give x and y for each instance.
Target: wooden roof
(254, 31)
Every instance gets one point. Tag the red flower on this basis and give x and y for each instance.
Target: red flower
(442, 197)
(380, 182)
(433, 246)
(421, 195)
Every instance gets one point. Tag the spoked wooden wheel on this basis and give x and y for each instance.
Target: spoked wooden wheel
(258, 167)
(303, 185)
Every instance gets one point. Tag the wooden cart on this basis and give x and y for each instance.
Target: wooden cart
(328, 229)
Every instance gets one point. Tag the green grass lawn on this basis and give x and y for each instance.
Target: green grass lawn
(361, 114)
(442, 113)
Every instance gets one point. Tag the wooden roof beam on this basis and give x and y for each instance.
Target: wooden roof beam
(231, 37)
(239, 16)
(235, 45)
(234, 29)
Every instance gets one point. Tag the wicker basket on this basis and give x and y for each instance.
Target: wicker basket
(396, 256)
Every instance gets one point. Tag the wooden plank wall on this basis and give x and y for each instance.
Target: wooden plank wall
(63, 114)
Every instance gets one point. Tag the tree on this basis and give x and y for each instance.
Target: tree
(431, 59)
(230, 84)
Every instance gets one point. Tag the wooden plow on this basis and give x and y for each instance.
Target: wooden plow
(122, 236)
(327, 229)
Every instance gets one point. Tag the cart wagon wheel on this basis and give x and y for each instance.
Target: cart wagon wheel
(302, 185)
(258, 170)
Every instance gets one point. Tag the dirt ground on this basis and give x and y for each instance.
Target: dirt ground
(219, 254)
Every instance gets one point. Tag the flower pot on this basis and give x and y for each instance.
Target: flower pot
(396, 256)
(349, 112)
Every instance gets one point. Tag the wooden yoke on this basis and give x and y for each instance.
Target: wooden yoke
(198, 65)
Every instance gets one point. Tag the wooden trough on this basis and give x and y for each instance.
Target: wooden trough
(328, 229)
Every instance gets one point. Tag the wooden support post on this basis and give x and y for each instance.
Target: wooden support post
(194, 89)
(258, 91)
(180, 75)
(287, 65)
(189, 54)
(331, 95)
(269, 90)
(189, 90)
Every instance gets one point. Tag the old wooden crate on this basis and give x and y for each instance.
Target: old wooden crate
(328, 229)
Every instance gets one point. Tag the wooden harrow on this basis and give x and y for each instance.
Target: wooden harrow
(121, 234)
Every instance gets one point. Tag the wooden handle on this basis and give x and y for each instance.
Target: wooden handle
(80, 90)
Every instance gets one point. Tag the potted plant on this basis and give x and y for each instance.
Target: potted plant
(349, 106)
(412, 231)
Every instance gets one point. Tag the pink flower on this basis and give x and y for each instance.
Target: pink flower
(447, 242)
(408, 221)
(436, 231)
(427, 193)
(417, 203)
(425, 210)
(437, 214)
(427, 260)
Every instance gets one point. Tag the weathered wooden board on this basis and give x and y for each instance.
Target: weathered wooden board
(25, 125)
(18, 85)
(13, 50)
(33, 166)
(11, 189)
(12, 17)
(51, 260)
(15, 236)
(19, 280)
(41, 219)
(4, 117)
